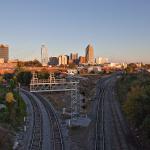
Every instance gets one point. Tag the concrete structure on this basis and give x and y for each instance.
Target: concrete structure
(62, 59)
(44, 55)
(89, 54)
(101, 60)
(4, 52)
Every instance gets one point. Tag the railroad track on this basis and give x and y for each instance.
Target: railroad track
(117, 125)
(57, 139)
(99, 131)
(125, 138)
(36, 141)
(121, 137)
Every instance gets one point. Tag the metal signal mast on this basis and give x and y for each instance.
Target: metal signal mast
(56, 85)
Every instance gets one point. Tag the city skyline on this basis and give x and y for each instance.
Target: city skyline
(117, 30)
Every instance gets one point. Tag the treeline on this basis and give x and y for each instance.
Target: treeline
(24, 77)
(34, 63)
(14, 108)
(134, 94)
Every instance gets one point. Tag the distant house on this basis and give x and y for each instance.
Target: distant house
(91, 68)
(72, 71)
(94, 69)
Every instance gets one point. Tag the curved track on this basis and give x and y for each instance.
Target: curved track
(57, 139)
(36, 141)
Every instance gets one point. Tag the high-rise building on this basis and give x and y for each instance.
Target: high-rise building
(89, 54)
(62, 59)
(4, 52)
(44, 55)
(74, 58)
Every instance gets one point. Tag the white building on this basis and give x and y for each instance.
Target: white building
(116, 65)
(72, 71)
(101, 60)
(62, 59)
(44, 55)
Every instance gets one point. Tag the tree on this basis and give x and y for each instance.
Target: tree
(43, 75)
(10, 103)
(137, 105)
(131, 68)
(72, 66)
(34, 63)
(146, 127)
(9, 97)
(24, 77)
(12, 84)
(1, 79)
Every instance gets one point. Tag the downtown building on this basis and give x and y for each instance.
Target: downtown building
(82, 60)
(89, 55)
(4, 53)
(53, 61)
(73, 58)
(44, 55)
(63, 60)
(101, 60)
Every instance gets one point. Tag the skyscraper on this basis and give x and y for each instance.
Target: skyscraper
(44, 55)
(89, 54)
(74, 58)
(4, 50)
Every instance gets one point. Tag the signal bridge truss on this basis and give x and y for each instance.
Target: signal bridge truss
(58, 85)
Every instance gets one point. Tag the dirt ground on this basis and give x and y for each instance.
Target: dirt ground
(82, 137)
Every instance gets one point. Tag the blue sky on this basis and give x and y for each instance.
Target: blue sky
(118, 29)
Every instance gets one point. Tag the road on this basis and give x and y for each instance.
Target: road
(112, 131)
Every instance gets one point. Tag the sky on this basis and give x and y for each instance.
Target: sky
(117, 29)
